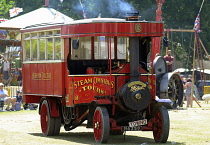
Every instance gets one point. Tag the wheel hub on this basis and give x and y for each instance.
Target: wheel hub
(138, 96)
(97, 125)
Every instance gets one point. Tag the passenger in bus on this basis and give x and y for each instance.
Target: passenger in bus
(7, 100)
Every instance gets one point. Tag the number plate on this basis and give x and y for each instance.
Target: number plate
(127, 128)
(138, 123)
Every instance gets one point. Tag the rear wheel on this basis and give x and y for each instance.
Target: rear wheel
(57, 126)
(50, 126)
(101, 125)
(175, 91)
(161, 125)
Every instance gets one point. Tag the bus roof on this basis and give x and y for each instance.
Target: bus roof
(103, 27)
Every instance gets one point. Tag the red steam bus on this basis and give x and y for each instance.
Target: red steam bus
(99, 70)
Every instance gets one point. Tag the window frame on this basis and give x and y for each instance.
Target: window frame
(28, 36)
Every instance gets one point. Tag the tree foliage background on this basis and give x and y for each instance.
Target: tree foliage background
(177, 14)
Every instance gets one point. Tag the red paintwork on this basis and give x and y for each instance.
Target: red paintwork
(103, 101)
(43, 80)
(85, 88)
(113, 29)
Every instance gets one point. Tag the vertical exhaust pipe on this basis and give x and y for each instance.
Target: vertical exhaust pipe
(134, 58)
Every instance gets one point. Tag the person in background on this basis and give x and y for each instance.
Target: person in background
(19, 79)
(12, 81)
(169, 60)
(7, 100)
(188, 87)
(17, 72)
(184, 80)
(6, 69)
(19, 100)
(19, 96)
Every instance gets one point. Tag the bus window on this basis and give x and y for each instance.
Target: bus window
(41, 49)
(43, 45)
(49, 33)
(27, 50)
(34, 49)
(122, 46)
(49, 49)
(57, 48)
(34, 46)
(101, 47)
(26, 45)
(84, 50)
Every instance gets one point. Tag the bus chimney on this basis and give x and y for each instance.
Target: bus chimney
(132, 15)
(134, 58)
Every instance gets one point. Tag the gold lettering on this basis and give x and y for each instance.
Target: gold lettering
(103, 92)
(137, 83)
(81, 82)
(75, 86)
(112, 84)
(89, 87)
(90, 80)
(41, 76)
(84, 88)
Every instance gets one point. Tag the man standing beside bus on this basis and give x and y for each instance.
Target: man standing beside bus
(169, 60)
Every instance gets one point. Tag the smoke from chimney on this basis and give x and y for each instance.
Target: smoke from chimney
(107, 8)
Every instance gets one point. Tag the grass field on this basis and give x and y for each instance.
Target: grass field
(188, 126)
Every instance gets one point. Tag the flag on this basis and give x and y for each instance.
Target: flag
(3, 20)
(197, 23)
(99, 16)
(84, 14)
(15, 11)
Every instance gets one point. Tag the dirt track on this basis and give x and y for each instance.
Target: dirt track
(188, 126)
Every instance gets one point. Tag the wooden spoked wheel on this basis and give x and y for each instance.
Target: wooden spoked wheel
(161, 125)
(175, 90)
(101, 125)
(50, 126)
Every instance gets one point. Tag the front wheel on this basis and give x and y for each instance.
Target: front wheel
(101, 125)
(50, 126)
(161, 125)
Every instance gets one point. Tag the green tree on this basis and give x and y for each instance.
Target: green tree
(177, 14)
(28, 5)
(5, 5)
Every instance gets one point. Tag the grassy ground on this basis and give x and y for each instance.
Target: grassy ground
(188, 126)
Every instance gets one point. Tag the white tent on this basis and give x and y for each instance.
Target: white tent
(41, 15)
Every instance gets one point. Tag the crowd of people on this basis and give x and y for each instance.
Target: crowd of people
(10, 75)
(7, 100)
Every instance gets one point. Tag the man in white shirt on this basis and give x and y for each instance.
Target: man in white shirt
(7, 100)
